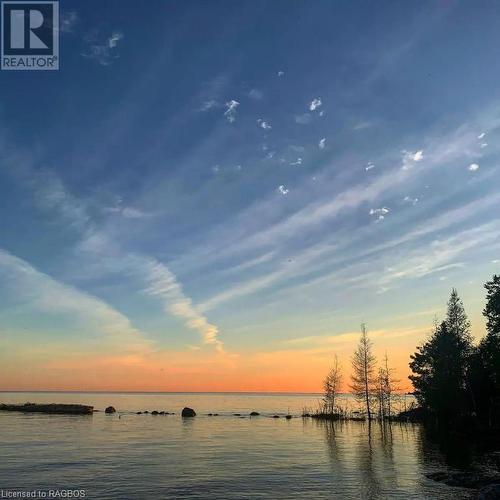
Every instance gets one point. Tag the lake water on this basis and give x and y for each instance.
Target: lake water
(129, 456)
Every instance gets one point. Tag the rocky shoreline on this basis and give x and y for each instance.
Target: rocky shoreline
(79, 409)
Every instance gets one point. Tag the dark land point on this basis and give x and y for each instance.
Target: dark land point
(49, 408)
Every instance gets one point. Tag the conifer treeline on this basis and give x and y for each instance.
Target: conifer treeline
(454, 380)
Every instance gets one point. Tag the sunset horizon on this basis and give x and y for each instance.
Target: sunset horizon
(249, 249)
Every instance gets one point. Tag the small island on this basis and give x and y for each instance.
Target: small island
(66, 409)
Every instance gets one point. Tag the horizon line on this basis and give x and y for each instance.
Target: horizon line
(8, 391)
(152, 392)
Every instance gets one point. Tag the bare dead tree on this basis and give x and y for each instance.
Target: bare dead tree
(363, 366)
(331, 385)
(385, 389)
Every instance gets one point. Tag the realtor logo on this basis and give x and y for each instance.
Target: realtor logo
(30, 35)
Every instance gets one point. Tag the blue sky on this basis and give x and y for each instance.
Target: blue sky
(247, 178)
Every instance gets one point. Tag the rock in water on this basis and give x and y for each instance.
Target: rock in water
(254, 414)
(110, 409)
(188, 412)
(473, 480)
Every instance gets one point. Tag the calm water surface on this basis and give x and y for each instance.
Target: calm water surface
(147, 457)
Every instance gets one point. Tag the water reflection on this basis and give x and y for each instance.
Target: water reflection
(383, 460)
(146, 456)
(457, 450)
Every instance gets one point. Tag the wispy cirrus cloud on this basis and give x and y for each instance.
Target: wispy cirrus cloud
(41, 292)
(362, 125)
(441, 150)
(163, 283)
(128, 212)
(68, 21)
(351, 337)
(51, 195)
(303, 119)
(210, 104)
(256, 94)
(441, 153)
(102, 49)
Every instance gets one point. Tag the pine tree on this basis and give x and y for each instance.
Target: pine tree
(438, 375)
(486, 363)
(363, 366)
(459, 326)
(457, 322)
(492, 309)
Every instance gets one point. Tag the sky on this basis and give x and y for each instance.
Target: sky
(213, 196)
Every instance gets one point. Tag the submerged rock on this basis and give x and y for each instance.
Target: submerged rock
(490, 492)
(330, 416)
(237, 414)
(473, 480)
(110, 409)
(188, 412)
(276, 416)
(413, 415)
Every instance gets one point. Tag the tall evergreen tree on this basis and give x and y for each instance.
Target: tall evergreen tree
(486, 362)
(437, 375)
(459, 326)
(457, 322)
(492, 309)
(440, 365)
(363, 366)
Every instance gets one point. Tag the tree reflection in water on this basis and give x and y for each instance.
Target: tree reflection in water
(382, 459)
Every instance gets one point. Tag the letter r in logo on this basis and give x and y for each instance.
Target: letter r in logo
(28, 27)
(36, 21)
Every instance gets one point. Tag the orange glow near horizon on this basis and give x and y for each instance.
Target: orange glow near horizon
(291, 370)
